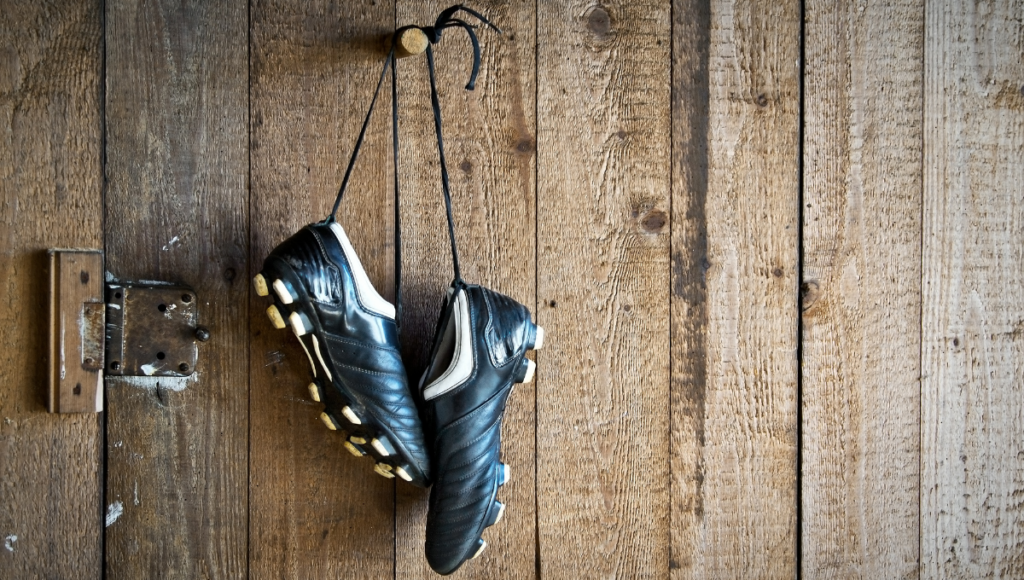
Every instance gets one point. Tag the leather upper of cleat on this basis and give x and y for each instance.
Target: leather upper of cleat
(356, 338)
(463, 415)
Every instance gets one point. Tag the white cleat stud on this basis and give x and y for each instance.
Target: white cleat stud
(538, 342)
(501, 513)
(314, 392)
(300, 324)
(403, 474)
(384, 469)
(531, 367)
(480, 550)
(283, 292)
(506, 474)
(376, 444)
(353, 449)
(329, 421)
(260, 283)
(357, 440)
(275, 317)
(351, 415)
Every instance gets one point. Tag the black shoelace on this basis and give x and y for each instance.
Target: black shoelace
(444, 21)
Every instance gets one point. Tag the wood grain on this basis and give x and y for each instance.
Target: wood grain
(316, 511)
(489, 146)
(176, 164)
(972, 461)
(51, 179)
(861, 280)
(603, 263)
(735, 182)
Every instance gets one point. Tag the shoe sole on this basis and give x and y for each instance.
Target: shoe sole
(363, 435)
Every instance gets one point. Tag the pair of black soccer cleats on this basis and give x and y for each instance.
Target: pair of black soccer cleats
(449, 432)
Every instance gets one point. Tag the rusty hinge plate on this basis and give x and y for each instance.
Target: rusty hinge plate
(152, 330)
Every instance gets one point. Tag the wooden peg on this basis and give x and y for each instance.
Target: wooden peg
(410, 43)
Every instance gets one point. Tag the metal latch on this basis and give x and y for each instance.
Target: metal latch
(152, 330)
(119, 328)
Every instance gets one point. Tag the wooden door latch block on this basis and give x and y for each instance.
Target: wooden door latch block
(123, 328)
(77, 318)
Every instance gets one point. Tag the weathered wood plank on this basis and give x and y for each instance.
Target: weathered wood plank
(603, 282)
(972, 464)
(489, 146)
(735, 289)
(177, 209)
(316, 511)
(51, 179)
(861, 283)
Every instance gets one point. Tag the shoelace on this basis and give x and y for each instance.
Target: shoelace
(446, 19)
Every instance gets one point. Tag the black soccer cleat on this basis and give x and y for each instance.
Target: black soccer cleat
(349, 334)
(479, 354)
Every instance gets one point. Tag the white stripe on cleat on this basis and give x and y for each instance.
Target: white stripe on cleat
(401, 472)
(384, 469)
(316, 349)
(260, 283)
(314, 392)
(538, 342)
(283, 292)
(353, 449)
(480, 550)
(309, 356)
(300, 323)
(351, 415)
(379, 445)
(329, 421)
(531, 367)
(275, 317)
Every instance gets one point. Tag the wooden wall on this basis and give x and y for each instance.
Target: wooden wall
(778, 249)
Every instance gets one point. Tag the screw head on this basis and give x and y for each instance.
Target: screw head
(183, 367)
(202, 334)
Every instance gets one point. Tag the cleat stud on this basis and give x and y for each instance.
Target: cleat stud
(379, 446)
(480, 550)
(538, 341)
(357, 440)
(496, 513)
(260, 283)
(329, 421)
(504, 474)
(300, 324)
(501, 513)
(351, 415)
(384, 469)
(275, 317)
(531, 368)
(314, 392)
(354, 450)
(283, 292)
(401, 472)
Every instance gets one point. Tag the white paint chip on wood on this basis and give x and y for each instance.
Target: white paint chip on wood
(114, 511)
(9, 542)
